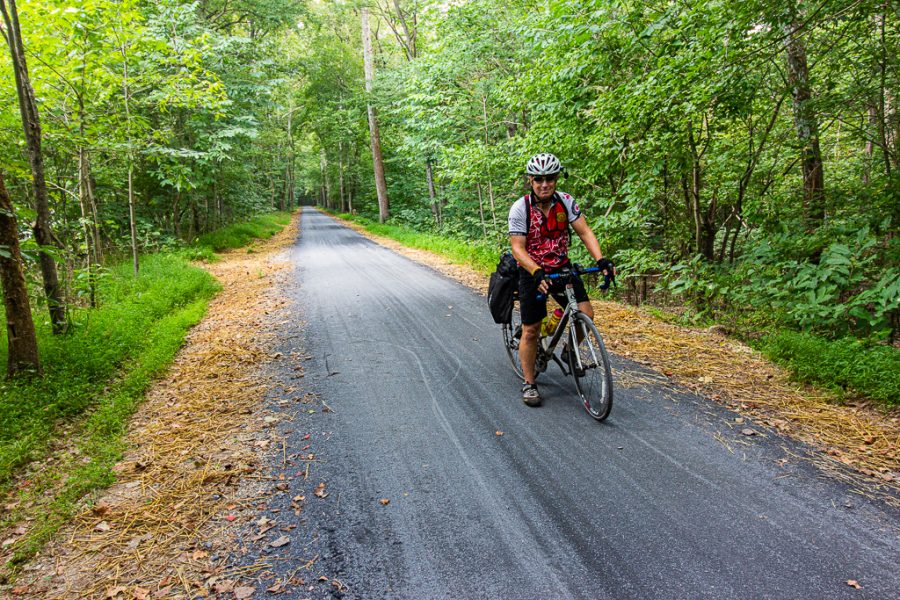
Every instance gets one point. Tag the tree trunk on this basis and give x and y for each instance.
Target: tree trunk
(21, 339)
(89, 240)
(884, 130)
(88, 207)
(132, 224)
(490, 186)
(481, 210)
(341, 174)
(807, 126)
(31, 123)
(195, 222)
(290, 165)
(377, 161)
(176, 214)
(704, 220)
(282, 195)
(435, 206)
(323, 163)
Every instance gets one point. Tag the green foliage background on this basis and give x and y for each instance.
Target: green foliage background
(680, 126)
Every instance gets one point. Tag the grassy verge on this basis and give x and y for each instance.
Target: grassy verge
(100, 437)
(843, 364)
(61, 435)
(241, 234)
(482, 257)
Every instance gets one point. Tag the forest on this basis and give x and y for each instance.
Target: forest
(738, 160)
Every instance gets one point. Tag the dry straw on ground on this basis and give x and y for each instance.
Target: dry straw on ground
(154, 532)
(853, 435)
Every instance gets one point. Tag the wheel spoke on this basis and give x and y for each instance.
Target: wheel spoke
(590, 367)
(512, 334)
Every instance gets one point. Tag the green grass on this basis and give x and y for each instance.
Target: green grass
(241, 234)
(95, 377)
(482, 257)
(102, 341)
(843, 364)
(100, 438)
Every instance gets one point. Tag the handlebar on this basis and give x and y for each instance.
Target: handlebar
(577, 271)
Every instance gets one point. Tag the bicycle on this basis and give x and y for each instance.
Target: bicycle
(589, 364)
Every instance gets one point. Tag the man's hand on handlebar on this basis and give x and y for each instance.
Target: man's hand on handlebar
(540, 279)
(608, 269)
(606, 266)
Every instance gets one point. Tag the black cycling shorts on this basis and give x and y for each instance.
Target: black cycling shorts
(534, 310)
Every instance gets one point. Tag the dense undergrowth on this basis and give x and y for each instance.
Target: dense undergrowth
(96, 375)
(846, 363)
(762, 300)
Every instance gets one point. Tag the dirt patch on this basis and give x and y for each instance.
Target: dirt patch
(164, 528)
(854, 435)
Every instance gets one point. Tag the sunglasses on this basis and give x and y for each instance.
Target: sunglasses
(543, 178)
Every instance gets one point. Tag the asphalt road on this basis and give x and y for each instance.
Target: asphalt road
(665, 499)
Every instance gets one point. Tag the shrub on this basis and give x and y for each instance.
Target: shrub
(845, 363)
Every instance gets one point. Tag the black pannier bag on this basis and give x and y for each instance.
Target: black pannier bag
(502, 288)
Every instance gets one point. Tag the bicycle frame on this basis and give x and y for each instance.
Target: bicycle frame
(546, 347)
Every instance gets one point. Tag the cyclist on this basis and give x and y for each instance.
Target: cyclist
(539, 235)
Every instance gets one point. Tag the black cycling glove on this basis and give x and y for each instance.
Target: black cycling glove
(538, 276)
(604, 264)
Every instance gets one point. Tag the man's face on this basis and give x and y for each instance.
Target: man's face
(543, 186)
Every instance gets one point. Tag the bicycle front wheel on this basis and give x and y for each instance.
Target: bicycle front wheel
(512, 335)
(590, 367)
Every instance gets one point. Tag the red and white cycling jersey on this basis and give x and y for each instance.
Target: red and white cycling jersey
(547, 238)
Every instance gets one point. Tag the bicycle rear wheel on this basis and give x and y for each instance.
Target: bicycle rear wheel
(590, 367)
(512, 334)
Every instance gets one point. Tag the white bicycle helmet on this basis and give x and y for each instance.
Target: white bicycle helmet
(543, 164)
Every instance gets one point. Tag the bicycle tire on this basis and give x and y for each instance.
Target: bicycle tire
(594, 383)
(512, 333)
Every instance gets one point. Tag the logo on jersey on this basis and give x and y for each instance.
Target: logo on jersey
(556, 223)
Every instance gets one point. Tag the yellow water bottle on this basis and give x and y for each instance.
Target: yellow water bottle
(551, 322)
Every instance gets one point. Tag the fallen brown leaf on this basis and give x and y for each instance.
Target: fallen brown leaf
(140, 593)
(223, 586)
(101, 508)
(282, 541)
(384, 501)
(854, 584)
(243, 592)
(320, 490)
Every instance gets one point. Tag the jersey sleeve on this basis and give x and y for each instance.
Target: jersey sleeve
(518, 218)
(572, 208)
